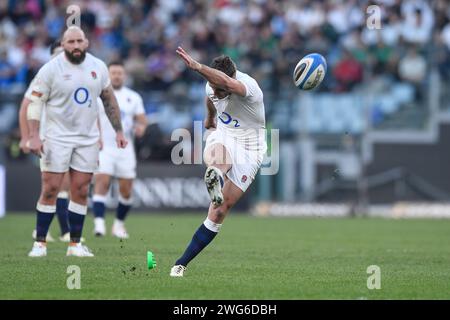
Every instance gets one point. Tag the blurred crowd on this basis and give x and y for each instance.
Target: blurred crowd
(266, 38)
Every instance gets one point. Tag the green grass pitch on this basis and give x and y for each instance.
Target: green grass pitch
(252, 258)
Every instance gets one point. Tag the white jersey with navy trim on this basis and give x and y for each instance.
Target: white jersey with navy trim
(242, 117)
(70, 94)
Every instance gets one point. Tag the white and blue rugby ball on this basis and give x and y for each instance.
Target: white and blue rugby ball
(310, 71)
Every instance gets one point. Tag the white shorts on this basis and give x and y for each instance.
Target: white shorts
(246, 161)
(119, 163)
(59, 158)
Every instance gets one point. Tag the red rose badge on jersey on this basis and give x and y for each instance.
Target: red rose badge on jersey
(244, 178)
(94, 75)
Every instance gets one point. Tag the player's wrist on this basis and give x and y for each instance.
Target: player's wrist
(198, 66)
(33, 136)
(211, 114)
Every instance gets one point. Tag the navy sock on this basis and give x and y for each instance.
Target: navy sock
(43, 221)
(61, 212)
(122, 211)
(202, 237)
(99, 209)
(76, 222)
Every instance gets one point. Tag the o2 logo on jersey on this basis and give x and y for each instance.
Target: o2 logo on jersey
(227, 119)
(81, 96)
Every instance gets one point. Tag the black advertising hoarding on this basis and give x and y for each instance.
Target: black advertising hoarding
(22, 186)
(158, 187)
(162, 186)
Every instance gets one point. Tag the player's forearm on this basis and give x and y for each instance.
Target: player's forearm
(23, 125)
(34, 111)
(111, 108)
(211, 110)
(141, 120)
(214, 76)
(33, 126)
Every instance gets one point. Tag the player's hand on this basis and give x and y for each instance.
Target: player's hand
(120, 140)
(100, 144)
(34, 144)
(210, 123)
(188, 60)
(23, 145)
(139, 130)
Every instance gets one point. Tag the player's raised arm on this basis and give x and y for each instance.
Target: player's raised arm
(113, 112)
(215, 77)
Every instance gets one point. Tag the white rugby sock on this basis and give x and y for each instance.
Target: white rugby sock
(214, 227)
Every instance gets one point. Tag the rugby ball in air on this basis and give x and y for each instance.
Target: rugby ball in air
(310, 71)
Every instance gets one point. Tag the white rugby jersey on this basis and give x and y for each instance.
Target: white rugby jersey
(241, 117)
(70, 93)
(130, 104)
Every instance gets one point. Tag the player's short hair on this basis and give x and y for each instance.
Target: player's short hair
(55, 45)
(115, 63)
(224, 64)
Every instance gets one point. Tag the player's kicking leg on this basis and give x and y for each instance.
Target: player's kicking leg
(125, 202)
(79, 185)
(219, 162)
(101, 187)
(209, 228)
(45, 210)
(224, 194)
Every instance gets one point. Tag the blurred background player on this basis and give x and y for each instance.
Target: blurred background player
(234, 151)
(62, 199)
(114, 162)
(68, 86)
